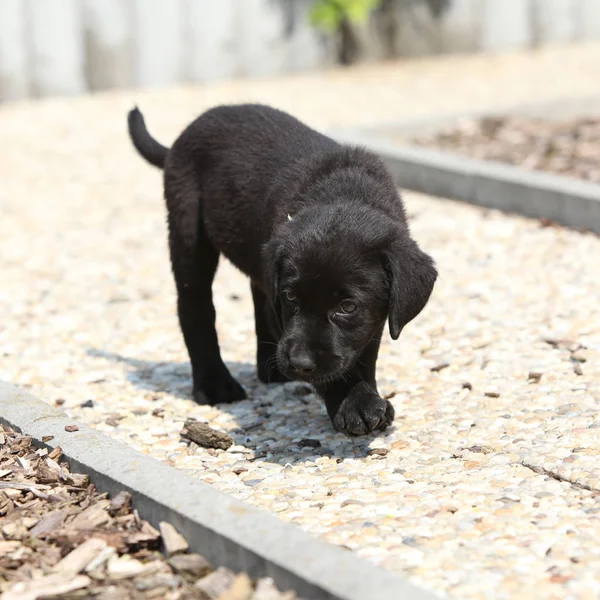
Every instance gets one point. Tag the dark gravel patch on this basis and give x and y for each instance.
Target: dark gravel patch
(568, 147)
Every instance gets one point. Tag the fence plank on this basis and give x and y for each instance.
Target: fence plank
(307, 48)
(461, 26)
(108, 43)
(57, 47)
(212, 51)
(14, 64)
(413, 29)
(554, 21)
(506, 24)
(419, 32)
(260, 29)
(159, 42)
(588, 27)
(50, 47)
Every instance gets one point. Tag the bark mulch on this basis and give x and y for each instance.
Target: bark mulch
(61, 538)
(568, 147)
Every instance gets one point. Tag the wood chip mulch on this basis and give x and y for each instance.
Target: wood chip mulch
(568, 147)
(61, 538)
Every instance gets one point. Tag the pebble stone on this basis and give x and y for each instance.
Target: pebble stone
(489, 479)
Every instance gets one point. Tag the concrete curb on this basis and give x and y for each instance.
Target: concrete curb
(570, 202)
(226, 531)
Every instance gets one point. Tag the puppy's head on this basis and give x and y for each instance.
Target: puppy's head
(335, 275)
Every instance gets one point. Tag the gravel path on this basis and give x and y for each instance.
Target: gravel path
(490, 479)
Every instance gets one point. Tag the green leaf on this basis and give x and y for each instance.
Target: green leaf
(327, 15)
(358, 11)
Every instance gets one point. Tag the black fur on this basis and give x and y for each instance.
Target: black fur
(321, 232)
(144, 143)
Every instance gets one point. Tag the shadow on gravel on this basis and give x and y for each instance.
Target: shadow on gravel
(280, 423)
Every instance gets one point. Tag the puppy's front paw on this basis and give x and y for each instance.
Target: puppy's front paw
(221, 389)
(363, 411)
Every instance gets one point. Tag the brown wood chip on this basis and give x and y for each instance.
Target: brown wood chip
(50, 586)
(439, 367)
(46, 474)
(206, 436)
(380, 452)
(49, 523)
(14, 531)
(68, 539)
(77, 560)
(120, 504)
(16, 485)
(192, 566)
(124, 567)
(78, 480)
(216, 584)
(56, 453)
(174, 542)
(71, 428)
(6, 547)
(241, 589)
(92, 517)
(147, 537)
(266, 590)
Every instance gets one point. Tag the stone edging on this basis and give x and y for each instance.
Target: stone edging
(563, 200)
(226, 531)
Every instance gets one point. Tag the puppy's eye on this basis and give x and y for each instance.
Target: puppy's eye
(347, 307)
(290, 296)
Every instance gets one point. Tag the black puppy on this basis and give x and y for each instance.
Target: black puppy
(321, 231)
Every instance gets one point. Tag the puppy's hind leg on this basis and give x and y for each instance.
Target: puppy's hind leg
(194, 260)
(266, 343)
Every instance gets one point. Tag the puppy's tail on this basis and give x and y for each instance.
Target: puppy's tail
(154, 152)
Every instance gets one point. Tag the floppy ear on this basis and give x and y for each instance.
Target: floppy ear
(272, 256)
(412, 276)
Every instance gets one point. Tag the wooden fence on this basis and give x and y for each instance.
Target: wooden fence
(56, 47)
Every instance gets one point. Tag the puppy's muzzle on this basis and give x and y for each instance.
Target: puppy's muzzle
(301, 362)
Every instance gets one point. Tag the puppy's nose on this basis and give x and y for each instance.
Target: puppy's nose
(303, 364)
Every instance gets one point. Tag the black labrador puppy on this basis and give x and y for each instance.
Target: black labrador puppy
(320, 230)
